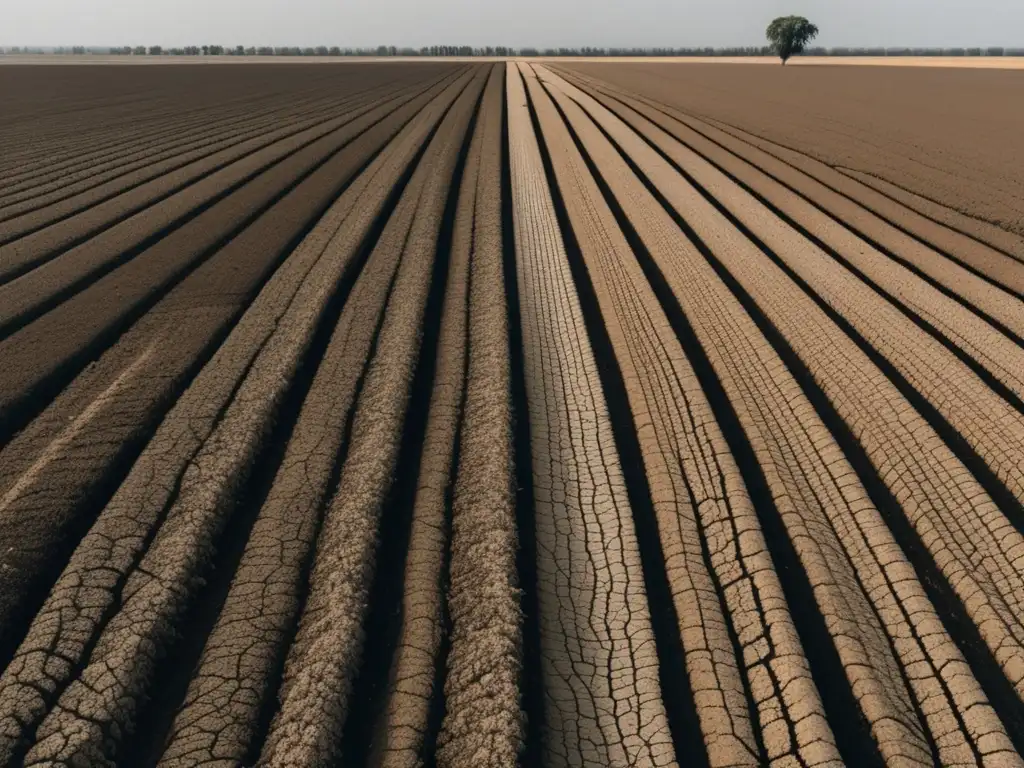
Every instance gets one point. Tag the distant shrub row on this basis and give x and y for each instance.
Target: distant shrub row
(241, 50)
(468, 50)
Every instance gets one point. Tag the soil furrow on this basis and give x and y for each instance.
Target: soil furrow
(323, 662)
(995, 301)
(876, 610)
(125, 225)
(601, 266)
(782, 663)
(533, 412)
(896, 227)
(62, 498)
(152, 125)
(236, 678)
(603, 703)
(966, 536)
(991, 427)
(900, 124)
(158, 178)
(73, 191)
(185, 450)
(482, 722)
(972, 336)
(405, 725)
(87, 150)
(424, 463)
(1007, 243)
(84, 324)
(532, 697)
(196, 133)
(47, 285)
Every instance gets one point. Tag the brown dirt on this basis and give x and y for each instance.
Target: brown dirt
(504, 415)
(949, 135)
(586, 542)
(324, 659)
(293, 212)
(770, 409)
(481, 690)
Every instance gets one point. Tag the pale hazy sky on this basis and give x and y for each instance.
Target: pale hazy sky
(539, 23)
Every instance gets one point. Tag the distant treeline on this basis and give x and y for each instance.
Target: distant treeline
(468, 50)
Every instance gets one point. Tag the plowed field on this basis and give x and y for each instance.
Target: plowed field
(398, 415)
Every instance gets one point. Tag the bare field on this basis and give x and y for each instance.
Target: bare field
(958, 62)
(510, 413)
(944, 143)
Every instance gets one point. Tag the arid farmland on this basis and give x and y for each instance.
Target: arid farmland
(497, 414)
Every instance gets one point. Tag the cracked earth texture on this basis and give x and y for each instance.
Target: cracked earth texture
(509, 414)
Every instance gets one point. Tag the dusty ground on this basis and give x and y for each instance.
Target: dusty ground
(497, 414)
(952, 137)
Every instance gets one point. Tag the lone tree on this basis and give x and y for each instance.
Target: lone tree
(789, 35)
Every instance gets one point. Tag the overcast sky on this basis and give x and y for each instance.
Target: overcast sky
(540, 23)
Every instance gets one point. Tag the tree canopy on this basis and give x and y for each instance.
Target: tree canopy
(789, 34)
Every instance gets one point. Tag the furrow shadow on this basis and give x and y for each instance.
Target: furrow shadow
(676, 692)
(384, 618)
(21, 320)
(957, 443)
(951, 610)
(895, 225)
(120, 218)
(303, 110)
(322, 340)
(99, 494)
(532, 681)
(949, 293)
(176, 670)
(938, 222)
(979, 370)
(16, 415)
